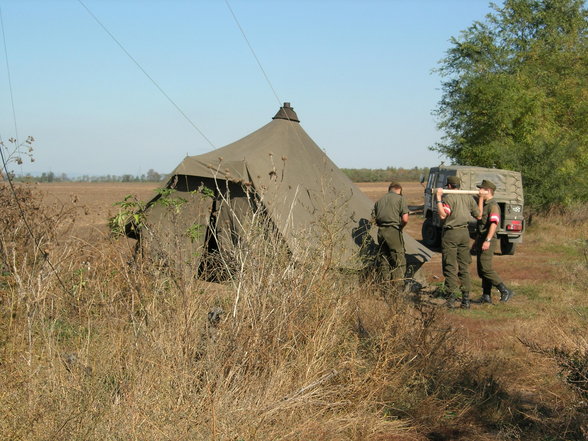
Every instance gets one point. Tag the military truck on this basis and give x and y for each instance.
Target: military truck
(509, 195)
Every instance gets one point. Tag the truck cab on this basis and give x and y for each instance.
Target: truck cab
(509, 195)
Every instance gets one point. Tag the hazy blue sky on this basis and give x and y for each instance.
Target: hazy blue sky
(358, 73)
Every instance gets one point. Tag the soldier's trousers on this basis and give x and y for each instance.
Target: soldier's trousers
(455, 245)
(484, 265)
(392, 251)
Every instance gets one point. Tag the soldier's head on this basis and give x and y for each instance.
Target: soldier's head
(395, 187)
(453, 181)
(488, 186)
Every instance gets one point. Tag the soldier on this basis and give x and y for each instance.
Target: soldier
(486, 244)
(456, 210)
(391, 215)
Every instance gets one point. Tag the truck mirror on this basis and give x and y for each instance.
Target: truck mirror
(422, 178)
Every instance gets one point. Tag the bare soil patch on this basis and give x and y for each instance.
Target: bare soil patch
(94, 202)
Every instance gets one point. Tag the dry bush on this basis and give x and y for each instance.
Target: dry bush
(573, 215)
(285, 350)
(28, 228)
(553, 343)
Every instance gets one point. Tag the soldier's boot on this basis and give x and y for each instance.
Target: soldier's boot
(505, 293)
(450, 299)
(486, 298)
(465, 300)
(486, 293)
(439, 292)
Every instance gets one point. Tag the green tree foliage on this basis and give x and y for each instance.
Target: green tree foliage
(515, 96)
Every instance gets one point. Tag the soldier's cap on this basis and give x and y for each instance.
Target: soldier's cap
(394, 184)
(487, 184)
(453, 180)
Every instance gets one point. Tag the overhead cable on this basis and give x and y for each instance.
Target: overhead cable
(146, 74)
(9, 77)
(253, 52)
(9, 178)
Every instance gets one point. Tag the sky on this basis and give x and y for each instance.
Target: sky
(359, 74)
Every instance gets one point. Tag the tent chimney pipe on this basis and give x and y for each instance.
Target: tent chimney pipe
(287, 112)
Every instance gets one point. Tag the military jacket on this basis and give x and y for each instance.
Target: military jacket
(460, 208)
(388, 211)
(490, 214)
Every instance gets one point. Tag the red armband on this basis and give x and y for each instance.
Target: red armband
(494, 218)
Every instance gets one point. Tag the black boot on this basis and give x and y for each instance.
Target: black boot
(486, 292)
(486, 298)
(450, 300)
(505, 293)
(465, 300)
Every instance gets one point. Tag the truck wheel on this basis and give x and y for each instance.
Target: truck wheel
(507, 248)
(431, 234)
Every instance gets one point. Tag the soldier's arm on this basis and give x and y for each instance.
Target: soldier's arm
(404, 212)
(494, 220)
(475, 210)
(404, 220)
(480, 204)
(443, 210)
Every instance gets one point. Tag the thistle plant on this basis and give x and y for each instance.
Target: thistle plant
(16, 153)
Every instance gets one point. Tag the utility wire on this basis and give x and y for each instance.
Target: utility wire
(253, 52)
(263, 71)
(147, 75)
(9, 179)
(290, 127)
(9, 77)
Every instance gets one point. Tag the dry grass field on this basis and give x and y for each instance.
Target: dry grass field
(94, 345)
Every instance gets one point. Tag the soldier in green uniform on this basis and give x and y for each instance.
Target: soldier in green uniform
(456, 210)
(391, 215)
(486, 244)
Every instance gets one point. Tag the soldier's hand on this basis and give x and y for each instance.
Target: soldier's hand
(439, 193)
(485, 246)
(482, 193)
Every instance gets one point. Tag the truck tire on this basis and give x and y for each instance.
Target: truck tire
(431, 234)
(507, 248)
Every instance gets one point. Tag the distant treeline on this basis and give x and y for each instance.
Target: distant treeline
(385, 175)
(150, 176)
(355, 174)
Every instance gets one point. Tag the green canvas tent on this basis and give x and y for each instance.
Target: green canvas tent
(280, 169)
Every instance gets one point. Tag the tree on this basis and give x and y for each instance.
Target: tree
(153, 176)
(515, 96)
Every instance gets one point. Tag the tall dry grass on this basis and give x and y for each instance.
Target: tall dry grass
(119, 349)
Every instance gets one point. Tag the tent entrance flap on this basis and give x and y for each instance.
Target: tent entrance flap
(174, 229)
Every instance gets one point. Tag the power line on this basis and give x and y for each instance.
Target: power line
(146, 74)
(9, 77)
(262, 69)
(8, 177)
(253, 52)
